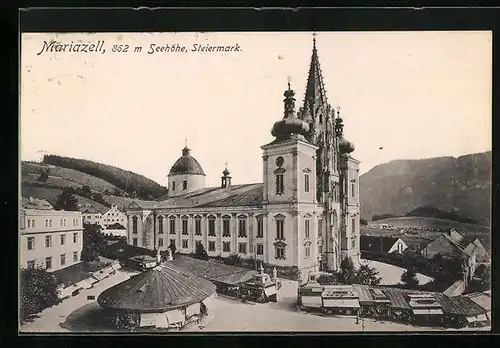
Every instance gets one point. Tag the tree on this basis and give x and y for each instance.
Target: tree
(367, 275)
(200, 252)
(38, 290)
(66, 200)
(94, 242)
(44, 176)
(86, 191)
(409, 278)
(347, 271)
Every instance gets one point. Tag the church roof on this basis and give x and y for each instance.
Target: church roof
(162, 288)
(186, 164)
(232, 196)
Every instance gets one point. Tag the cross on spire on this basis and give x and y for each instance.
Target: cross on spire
(185, 142)
(225, 164)
(289, 79)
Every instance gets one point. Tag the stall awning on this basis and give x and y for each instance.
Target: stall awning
(340, 303)
(427, 311)
(481, 317)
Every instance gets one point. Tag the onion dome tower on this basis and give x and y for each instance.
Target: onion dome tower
(164, 296)
(186, 175)
(225, 178)
(290, 126)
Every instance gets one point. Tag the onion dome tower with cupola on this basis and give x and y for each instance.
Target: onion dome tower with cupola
(289, 187)
(225, 178)
(186, 175)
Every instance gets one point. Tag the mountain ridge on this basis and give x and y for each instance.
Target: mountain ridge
(460, 185)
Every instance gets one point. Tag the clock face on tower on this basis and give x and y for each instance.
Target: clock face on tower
(279, 161)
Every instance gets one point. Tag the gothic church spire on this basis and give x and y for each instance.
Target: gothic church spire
(315, 96)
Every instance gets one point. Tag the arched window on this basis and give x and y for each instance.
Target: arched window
(134, 224)
(172, 225)
(160, 224)
(242, 226)
(211, 226)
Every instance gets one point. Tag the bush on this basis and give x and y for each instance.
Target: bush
(38, 290)
(233, 260)
(328, 279)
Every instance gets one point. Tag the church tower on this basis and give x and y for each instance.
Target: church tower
(335, 169)
(289, 192)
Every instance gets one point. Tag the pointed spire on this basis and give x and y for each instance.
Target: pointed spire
(315, 95)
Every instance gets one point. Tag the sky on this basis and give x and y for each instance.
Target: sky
(413, 94)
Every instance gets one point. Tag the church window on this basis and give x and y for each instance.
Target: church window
(308, 251)
(134, 241)
(185, 244)
(242, 227)
(134, 224)
(353, 226)
(172, 225)
(320, 249)
(185, 185)
(225, 228)
(320, 118)
(260, 227)
(211, 246)
(260, 249)
(242, 248)
(279, 253)
(320, 227)
(352, 190)
(280, 188)
(353, 244)
(280, 229)
(226, 247)
(197, 226)
(307, 226)
(160, 224)
(184, 226)
(211, 226)
(173, 185)
(160, 242)
(306, 182)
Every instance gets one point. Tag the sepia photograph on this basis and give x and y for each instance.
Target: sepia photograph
(329, 181)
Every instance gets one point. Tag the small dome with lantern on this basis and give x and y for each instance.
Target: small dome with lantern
(290, 124)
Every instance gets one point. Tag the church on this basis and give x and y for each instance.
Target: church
(305, 213)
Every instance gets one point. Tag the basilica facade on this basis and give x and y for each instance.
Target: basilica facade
(305, 213)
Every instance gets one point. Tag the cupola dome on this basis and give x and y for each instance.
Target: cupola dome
(186, 164)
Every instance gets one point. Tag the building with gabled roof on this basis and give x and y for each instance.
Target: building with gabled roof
(305, 213)
(382, 244)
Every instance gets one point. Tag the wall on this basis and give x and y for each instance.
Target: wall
(71, 223)
(194, 182)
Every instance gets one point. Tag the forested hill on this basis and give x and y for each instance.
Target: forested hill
(461, 186)
(135, 185)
